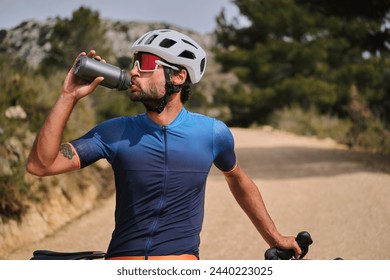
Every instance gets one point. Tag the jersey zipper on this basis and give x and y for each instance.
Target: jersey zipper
(162, 200)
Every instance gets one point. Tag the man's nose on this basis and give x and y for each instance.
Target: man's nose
(134, 70)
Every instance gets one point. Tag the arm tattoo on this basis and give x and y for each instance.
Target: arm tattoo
(66, 151)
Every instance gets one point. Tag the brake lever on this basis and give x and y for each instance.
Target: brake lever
(303, 239)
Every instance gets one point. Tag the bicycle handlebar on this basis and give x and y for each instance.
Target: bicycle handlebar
(304, 241)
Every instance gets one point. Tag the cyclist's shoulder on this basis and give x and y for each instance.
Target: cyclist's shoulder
(196, 117)
(205, 128)
(204, 118)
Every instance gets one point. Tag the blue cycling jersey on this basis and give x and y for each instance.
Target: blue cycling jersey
(160, 176)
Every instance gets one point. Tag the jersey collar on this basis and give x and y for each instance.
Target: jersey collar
(179, 119)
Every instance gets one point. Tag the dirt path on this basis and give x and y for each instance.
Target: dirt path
(340, 197)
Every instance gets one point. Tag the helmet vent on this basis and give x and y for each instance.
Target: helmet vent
(187, 54)
(202, 65)
(150, 39)
(142, 38)
(167, 43)
(189, 43)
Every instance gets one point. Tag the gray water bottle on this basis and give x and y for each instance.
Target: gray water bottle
(114, 77)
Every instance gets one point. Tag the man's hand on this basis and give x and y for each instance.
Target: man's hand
(76, 87)
(289, 242)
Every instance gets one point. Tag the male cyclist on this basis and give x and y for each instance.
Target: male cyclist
(160, 159)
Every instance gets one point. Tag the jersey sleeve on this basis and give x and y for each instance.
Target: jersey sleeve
(224, 155)
(97, 143)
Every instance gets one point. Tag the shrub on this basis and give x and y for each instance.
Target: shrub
(311, 123)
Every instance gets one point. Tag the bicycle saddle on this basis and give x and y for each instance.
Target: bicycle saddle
(51, 255)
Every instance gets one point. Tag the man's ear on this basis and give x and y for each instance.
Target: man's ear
(179, 78)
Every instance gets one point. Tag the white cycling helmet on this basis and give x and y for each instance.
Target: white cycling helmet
(175, 48)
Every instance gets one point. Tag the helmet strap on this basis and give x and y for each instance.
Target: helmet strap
(170, 89)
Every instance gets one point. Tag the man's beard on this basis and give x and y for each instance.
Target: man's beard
(151, 104)
(143, 97)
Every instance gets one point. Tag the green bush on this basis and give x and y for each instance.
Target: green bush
(374, 137)
(311, 123)
(36, 94)
(366, 133)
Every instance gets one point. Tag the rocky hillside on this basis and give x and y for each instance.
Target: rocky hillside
(30, 39)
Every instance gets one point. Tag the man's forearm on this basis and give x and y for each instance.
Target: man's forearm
(249, 198)
(48, 141)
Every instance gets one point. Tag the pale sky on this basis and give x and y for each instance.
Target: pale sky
(198, 15)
